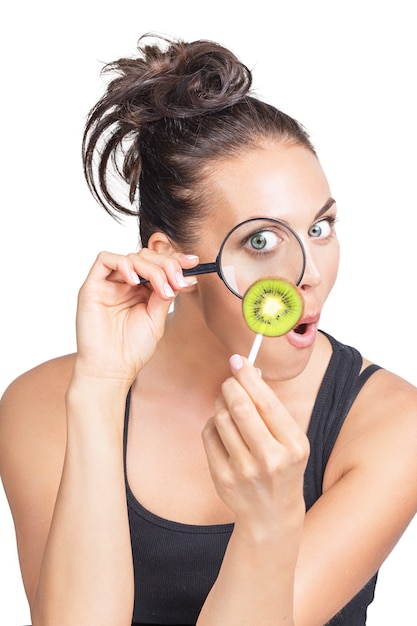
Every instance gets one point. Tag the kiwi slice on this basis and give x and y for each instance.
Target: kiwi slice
(272, 306)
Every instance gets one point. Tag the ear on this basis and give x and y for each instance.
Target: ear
(161, 243)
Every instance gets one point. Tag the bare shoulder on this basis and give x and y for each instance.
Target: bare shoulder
(32, 448)
(381, 429)
(41, 382)
(386, 401)
(32, 414)
(369, 496)
(34, 403)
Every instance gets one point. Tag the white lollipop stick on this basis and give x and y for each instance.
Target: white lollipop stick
(255, 348)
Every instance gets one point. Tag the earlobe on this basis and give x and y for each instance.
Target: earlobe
(161, 243)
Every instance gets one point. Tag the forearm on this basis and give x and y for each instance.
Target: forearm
(87, 575)
(255, 583)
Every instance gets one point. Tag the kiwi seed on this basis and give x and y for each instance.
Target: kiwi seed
(272, 307)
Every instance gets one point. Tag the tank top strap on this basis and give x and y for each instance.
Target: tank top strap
(342, 381)
(344, 408)
(125, 432)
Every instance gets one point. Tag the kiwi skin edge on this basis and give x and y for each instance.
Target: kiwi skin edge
(272, 306)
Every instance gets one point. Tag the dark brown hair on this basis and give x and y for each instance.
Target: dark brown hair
(171, 112)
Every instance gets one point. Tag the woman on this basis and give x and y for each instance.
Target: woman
(157, 473)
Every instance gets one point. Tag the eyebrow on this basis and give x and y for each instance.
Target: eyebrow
(325, 208)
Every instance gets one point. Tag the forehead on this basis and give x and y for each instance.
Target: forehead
(283, 181)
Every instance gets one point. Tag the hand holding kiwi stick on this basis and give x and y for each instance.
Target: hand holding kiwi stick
(271, 307)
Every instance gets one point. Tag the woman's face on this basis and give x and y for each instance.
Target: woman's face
(284, 182)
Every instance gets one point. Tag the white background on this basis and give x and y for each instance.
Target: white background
(346, 70)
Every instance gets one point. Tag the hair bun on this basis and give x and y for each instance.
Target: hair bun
(171, 112)
(179, 79)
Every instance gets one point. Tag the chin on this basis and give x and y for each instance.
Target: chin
(279, 361)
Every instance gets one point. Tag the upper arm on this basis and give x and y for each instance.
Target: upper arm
(32, 448)
(369, 498)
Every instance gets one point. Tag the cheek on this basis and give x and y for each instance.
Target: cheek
(223, 315)
(329, 266)
(334, 263)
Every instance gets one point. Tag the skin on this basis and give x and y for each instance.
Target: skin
(235, 441)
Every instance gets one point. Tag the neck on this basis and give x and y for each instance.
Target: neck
(190, 364)
(189, 356)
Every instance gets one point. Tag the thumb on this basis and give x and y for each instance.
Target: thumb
(158, 309)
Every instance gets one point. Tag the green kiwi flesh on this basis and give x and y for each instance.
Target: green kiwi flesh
(272, 307)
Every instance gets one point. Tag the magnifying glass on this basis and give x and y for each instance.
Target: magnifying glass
(253, 249)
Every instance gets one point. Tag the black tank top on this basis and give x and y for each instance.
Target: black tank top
(175, 565)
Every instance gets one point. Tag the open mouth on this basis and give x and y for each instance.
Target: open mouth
(300, 329)
(304, 334)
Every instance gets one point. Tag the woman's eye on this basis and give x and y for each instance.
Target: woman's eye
(321, 229)
(263, 241)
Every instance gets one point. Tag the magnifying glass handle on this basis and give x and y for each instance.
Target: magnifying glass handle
(202, 268)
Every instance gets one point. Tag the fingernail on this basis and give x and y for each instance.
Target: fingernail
(168, 291)
(191, 257)
(135, 277)
(259, 372)
(181, 282)
(236, 362)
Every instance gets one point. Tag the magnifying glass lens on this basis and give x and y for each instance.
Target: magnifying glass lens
(259, 248)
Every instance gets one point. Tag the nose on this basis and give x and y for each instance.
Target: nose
(312, 276)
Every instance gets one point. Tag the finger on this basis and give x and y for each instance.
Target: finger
(237, 444)
(117, 268)
(217, 456)
(252, 428)
(186, 260)
(157, 310)
(164, 271)
(116, 265)
(278, 420)
(238, 422)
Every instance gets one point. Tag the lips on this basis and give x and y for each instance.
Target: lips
(304, 334)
